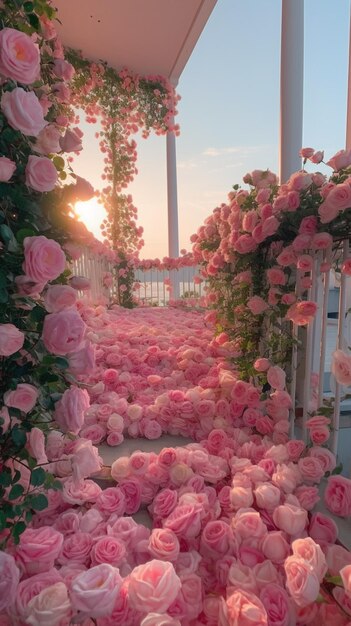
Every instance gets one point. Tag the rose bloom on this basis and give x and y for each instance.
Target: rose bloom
(301, 581)
(302, 313)
(311, 469)
(243, 608)
(11, 339)
(24, 397)
(7, 167)
(63, 332)
(59, 297)
(38, 548)
(44, 259)
(325, 457)
(337, 496)
(157, 619)
(41, 174)
(289, 518)
(275, 546)
(311, 552)
(95, 591)
(23, 111)
(341, 367)
(322, 529)
(345, 574)
(70, 409)
(19, 56)
(216, 539)
(276, 377)
(108, 550)
(9, 579)
(111, 500)
(163, 544)
(153, 586)
(277, 604)
(51, 607)
(185, 520)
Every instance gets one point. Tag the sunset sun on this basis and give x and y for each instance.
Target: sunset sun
(92, 214)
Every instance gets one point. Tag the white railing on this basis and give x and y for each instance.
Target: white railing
(312, 351)
(95, 267)
(157, 287)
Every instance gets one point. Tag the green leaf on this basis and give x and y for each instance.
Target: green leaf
(22, 233)
(6, 233)
(37, 314)
(29, 516)
(19, 437)
(17, 530)
(16, 492)
(28, 7)
(39, 502)
(38, 477)
(57, 485)
(59, 163)
(5, 478)
(4, 296)
(16, 477)
(2, 520)
(34, 21)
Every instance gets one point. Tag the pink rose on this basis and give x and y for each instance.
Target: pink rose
(95, 591)
(48, 140)
(11, 339)
(306, 153)
(322, 529)
(311, 552)
(63, 69)
(185, 520)
(9, 579)
(277, 604)
(301, 581)
(36, 445)
(108, 550)
(307, 496)
(70, 409)
(289, 518)
(63, 332)
(276, 276)
(44, 259)
(30, 587)
(111, 500)
(339, 197)
(311, 469)
(243, 608)
(340, 160)
(157, 619)
(85, 459)
(267, 496)
(23, 111)
(302, 313)
(41, 173)
(345, 574)
(131, 489)
(216, 539)
(72, 140)
(163, 544)
(337, 558)
(262, 365)
(59, 297)
(165, 502)
(275, 546)
(337, 496)
(38, 549)
(276, 377)
(325, 457)
(51, 607)
(153, 586)
(321, 241)
(7, 167)
(83, 360)
(257, 305)
(24, 397)
(81, 492)
(341, 367)
(19, 57)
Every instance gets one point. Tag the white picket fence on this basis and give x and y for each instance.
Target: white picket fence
(153, 287)
(94, 267)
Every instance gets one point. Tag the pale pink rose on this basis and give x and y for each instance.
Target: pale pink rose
(302, 313)
(108, 550)
(36, 444)
(81, 492)
(307, 496)
(289, 518)
(275, 546)
(163, 545)
(345, 574)
(276, 377)
(19, 56)
(322, 529)
(306, 153)
(70, 409)
(248, 523)
(24, 397)
(277, 604)
(44, 259)
(157, 619)
(63, 332)
(72, 140)
(217, 539)
(131, 489)
(120, 468)
(311, 552)
(300, 180)
(257, 305)
(63, 69)
(7, 167)
(319, 435)
(51, 607)
(153, 586)
(151, 430)
(276, 276)
(301, 581)
(95, 591)
(243, 608)
(38, 549)
(339, 198)
(311, 469)
(340, 160)
(241, 497)
(23, 111)
(337, 558)
(327, 213)
(9, 579)
(337, 496)
(111, 500)
(83, 360)
(267, 496)
(341, 367)
(304, 263)
(262, 365)
(185, 520)
(325, 457)
(26, 287)
(165, 502)
(41, 174)
(30, 587)
(85, 459)
(241, 577)
(48, 140)
(59, 297)
(11, 339)
(317, 157)
(321, 241)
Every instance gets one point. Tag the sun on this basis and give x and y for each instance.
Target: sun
(92, 214)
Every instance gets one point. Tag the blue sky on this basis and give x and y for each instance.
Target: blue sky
(229, 112)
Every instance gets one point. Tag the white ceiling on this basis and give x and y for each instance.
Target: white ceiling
(147, 36)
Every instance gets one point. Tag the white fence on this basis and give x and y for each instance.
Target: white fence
(158, 287)
(329, 330)
(95, 267)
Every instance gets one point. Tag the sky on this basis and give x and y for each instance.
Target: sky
(229, 113)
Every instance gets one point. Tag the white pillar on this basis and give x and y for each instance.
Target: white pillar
(348, 113)
(172, 198)
(291, 87)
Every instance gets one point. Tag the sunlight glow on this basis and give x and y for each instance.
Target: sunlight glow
(91, 213)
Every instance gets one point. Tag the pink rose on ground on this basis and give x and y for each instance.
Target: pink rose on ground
(337, 558)
(311, 469)
(277, 604)
(7, 167)
(70, 409)
(9, 579)
(322, 529)
(83, 360)
(243, 608)
(153, 586)
(111, 500)
(289, 518)
(217, 539)
(44, 259)
(63, 332)
(108, 550)
(30, 587)
(301, 581)
(341, 367)
(41, 174)
(24, 397)
(23, 111)
(325, 457)
(80, 492)
(59, 297)
(85, 460)
(275, 546)
(131, 489)
(39, 548)
(157, 619)
(185, 520)
(345, 574)
(51, 607)
(311, 552)
(94, 592)
(165, 502)
(337, 496)
(19, 56)
(11, 339)
(163, 544)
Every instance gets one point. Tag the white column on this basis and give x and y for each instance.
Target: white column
(348, 113)
(291, 87)
(172, 200)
